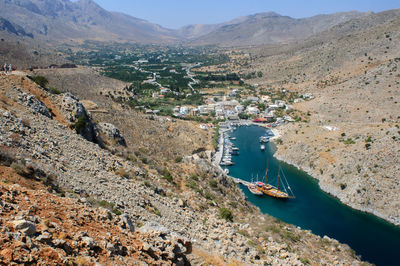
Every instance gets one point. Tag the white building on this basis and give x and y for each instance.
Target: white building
(184, 110)
(253, 99)
(280, 103)
(252, 110)
(239, 108)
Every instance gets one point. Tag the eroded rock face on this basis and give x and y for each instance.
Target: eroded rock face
(75, 113)
(107, 131)
(34, 104)
(72, 108)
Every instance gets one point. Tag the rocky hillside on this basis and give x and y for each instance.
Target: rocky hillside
(351, 141)
(197, 216)
(270, 28)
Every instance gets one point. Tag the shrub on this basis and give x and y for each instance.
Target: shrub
(213, 183)
(349, 141)
(80, 124)
(22, 170)
(192, 184)
(291, 236)
(178, 159)
(209, 196)
(54, 91)
(168, 176)
(226, 214)
(40, 80)
(343, 186)
(194, 177)
(106, 204)
(117, 212)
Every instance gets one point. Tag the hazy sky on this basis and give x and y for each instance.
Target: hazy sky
(176, 13)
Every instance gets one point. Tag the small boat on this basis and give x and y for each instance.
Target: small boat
(262, 147)
(270, 133)
(235, 149)
(235, 152)
(264, 139)
(254, 189)
(233, 138)
(226, 171)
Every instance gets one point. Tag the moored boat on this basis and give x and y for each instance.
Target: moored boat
(273, 191)
(262, 147)
(254, 189)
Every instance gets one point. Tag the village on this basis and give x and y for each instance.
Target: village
(231, 107)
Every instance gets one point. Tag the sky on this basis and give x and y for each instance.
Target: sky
(176, 13)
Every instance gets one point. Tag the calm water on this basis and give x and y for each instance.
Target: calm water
(374, 239)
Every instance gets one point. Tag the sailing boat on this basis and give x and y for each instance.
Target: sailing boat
(253, 188)
(273, 191)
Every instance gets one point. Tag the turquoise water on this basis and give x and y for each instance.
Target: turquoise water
(372, 238)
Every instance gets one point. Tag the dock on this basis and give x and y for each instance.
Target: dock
(240, 181)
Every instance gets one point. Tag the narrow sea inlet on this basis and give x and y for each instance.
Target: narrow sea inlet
(374, 239)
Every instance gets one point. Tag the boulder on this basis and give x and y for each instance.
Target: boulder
(74, 112)
(127, 223)
(107, 131)
(24, 226)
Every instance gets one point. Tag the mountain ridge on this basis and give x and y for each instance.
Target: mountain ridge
(59, 21)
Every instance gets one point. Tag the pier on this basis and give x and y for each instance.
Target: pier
(240, 181)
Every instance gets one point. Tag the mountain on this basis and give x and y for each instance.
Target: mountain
(61, 20)
(268, 28)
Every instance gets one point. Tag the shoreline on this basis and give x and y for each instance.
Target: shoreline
(325, 188)
(332, 193)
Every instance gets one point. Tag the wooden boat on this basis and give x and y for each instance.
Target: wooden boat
(253, 188)
(271, 190)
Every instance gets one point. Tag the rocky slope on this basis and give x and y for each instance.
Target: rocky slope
(39, 227)
(351, 142)
(178, 225)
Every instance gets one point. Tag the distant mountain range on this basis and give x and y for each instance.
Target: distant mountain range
(57, 21)
(270, 28)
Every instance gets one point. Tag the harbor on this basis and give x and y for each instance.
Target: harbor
(361, 231)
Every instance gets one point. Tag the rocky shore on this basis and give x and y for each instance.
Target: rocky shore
(333, 162)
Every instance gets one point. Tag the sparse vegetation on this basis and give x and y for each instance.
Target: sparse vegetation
(226, 214)
(41, 81)
(80, 124)
(167, 175)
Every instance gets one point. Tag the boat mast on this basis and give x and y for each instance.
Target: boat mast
(266, 173)
(279, 172)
